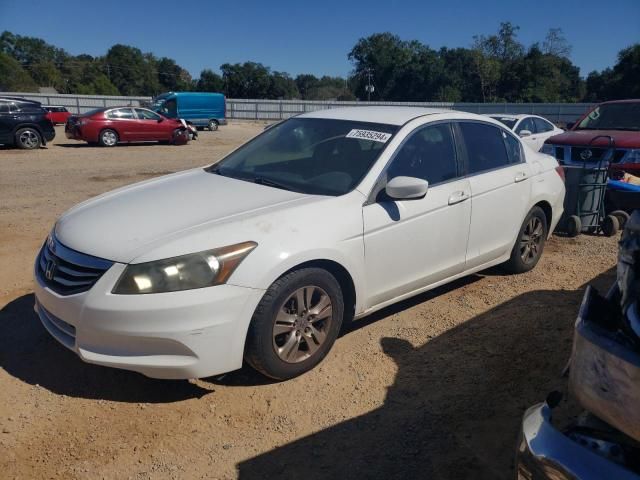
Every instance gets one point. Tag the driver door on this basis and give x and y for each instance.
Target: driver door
(411, 244)
(148, 126)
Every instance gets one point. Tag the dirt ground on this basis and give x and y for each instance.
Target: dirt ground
(431, 388)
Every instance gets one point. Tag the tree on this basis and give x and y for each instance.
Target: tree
(131, 71)
(14, 78)
(283, 86)
(210, 81)
(246, 80)
(555, 43)
(171, 76)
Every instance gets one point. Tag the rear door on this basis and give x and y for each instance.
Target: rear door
(500, 181)
(545, 130)
(124, 122)
(6, 123)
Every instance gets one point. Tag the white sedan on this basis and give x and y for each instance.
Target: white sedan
(264, 256)
(533, 130)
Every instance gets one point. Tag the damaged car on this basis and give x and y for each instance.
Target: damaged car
(603, 441)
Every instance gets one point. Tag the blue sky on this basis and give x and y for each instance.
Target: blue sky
(314, 37)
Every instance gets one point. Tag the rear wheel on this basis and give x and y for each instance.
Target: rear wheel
(530, 243)
(28, 138)
(295, 324)
(213, 125)
(108, 138)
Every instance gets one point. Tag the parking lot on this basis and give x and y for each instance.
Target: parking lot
(433, 387)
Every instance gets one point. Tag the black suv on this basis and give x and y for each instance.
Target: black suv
(24, 123)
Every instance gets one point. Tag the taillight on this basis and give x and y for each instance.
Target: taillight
(560, 171)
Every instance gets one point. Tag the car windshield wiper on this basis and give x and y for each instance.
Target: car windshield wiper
(271, 183)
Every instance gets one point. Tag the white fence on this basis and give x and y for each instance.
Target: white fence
(281, 109)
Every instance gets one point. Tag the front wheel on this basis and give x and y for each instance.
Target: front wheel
(295, 324)
(530, 243)
(28, 138)
(213, 125)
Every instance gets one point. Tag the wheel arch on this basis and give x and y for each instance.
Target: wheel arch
(35, 126)
(341, 274)
(548, 212)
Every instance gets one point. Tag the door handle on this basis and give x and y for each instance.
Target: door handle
(457, 197)
(520, 176)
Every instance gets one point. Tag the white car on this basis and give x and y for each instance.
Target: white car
(324, 218)
(533, 130)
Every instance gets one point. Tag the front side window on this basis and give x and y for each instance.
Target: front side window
(542, 125)
(309, 155)
(170, 108)
(146, 114)
(526, 124)
(485, 146)
(4, 107)
(429, 154)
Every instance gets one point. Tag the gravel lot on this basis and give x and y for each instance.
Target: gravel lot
(431, 388)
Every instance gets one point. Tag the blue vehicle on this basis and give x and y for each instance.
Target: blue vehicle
(202, 109)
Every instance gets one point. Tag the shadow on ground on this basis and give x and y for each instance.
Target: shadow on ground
(29, 353)
(455, 407)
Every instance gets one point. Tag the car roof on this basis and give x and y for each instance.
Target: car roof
(375, 114)
(628, 100)
(511, 116)
(19, 99)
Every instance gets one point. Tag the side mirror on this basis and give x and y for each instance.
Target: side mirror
(406, 188)
(525, 133)
(161, 119)
(570, 125)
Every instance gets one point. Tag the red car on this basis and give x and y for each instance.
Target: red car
(109, 126)
(57, 114)
(616, 122)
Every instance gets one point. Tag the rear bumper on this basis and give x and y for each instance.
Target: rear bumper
(546, 453)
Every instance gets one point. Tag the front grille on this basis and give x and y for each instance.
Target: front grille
(66, 271)
(597, 154)
(559, 153)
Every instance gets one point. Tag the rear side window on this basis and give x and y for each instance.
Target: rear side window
(514, 150)
(121, 113)
(485, 146)
(429, 154)
(542, 125)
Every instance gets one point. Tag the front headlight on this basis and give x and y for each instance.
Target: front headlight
(548, 149)
(186, 272)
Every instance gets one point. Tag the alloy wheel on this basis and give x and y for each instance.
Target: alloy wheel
(29, 139)
(109, 138)
(302, 324)
(531, 240)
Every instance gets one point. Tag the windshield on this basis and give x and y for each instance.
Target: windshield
(612, 116)
(509, 122)
(309, 155)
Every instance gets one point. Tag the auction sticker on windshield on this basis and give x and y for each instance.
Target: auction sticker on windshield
(381, 137)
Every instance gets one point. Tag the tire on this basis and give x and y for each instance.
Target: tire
(610, 225)
(213, 125)
(28, 138)
(108, 138)
(574, 226)
(622, 217)
(530, 243)
(283, 341)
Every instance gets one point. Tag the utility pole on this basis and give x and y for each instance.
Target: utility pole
(369, 88)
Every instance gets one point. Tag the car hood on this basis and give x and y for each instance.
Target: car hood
(623, 138)
(126, 223)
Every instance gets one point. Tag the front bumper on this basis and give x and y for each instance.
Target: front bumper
(177, 335)
(546, 453)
